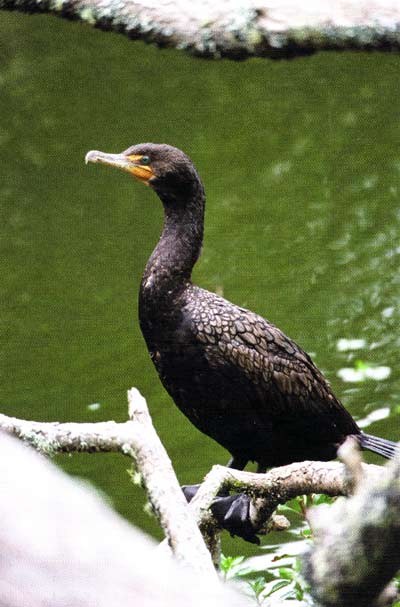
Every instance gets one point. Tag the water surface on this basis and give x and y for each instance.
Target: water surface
(301, 165)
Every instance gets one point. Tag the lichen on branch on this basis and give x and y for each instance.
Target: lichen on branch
(237, 29)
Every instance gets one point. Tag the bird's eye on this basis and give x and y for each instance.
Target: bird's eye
(145, 160)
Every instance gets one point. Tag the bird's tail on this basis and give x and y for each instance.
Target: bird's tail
(382, 446)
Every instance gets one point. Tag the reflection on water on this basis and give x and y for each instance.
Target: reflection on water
(301, 165)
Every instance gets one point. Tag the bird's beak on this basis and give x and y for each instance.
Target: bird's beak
(131, 164)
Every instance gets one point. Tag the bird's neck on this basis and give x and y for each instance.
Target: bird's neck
(168, 271)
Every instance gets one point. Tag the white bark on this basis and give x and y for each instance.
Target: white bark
(356, 548)
(62, 546)
(365, 527)
(137, 439)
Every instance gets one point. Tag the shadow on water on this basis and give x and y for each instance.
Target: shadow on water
(301, 165)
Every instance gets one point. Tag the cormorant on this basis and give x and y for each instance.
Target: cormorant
(235, 375)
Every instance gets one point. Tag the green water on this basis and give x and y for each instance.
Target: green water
(301, 163)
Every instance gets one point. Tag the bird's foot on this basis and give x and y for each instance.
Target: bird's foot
(233, 514)
(231, 511)
(189, 491)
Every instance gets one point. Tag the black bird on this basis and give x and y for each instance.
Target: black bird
(235, 375)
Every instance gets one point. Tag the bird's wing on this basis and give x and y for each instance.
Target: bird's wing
(275, 364)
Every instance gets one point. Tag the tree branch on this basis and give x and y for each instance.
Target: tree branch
(276, 487)
(237, 29)
(63, 546)
(365, 528)
(137, 439)
(357, 543)
(163, 489)
(267, 490)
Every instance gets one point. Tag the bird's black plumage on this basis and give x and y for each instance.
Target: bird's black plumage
(235, 375)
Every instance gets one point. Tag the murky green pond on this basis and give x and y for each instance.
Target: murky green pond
(301, 162)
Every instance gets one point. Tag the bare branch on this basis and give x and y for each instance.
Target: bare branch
(50, 438)
(349, 453)
(163, 489)
(237, 29)
(137, 439)
(61, 545)
(277, 486)
(359, 528)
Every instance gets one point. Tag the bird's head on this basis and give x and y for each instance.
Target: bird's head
(165, 168)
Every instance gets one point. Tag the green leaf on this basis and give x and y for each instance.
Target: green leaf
(284, 508)
(229, 566)
(295, 504)
(286, 573)
(242, 571)
(306, 533)
(257, 586)
(277, 586)
(320, 498)
(228, 562)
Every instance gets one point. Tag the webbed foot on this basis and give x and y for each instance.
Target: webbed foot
(231, 511)
(233, 514)
(189, 491)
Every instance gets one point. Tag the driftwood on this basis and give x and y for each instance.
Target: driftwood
(238, 28)
(62, 546)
